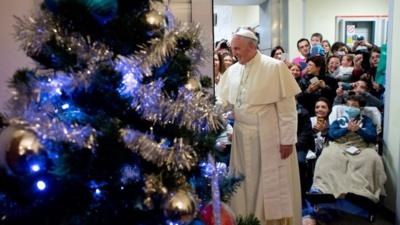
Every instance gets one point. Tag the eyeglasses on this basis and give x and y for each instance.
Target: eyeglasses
(304, 46)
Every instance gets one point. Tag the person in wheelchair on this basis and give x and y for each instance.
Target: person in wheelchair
(350, 163)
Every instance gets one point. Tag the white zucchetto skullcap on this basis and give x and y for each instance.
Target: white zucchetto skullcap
(246, 33)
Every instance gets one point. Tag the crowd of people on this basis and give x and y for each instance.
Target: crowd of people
(337, 154)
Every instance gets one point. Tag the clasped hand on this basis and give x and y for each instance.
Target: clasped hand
(320, 126)
(354, 125)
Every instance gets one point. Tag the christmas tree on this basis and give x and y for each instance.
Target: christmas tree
(111, 126)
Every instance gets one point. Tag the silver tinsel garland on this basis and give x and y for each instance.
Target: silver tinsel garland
(192, 110)
(177, 157)
(40, 106)
(33, 32)
(160, 49)
(48, 128)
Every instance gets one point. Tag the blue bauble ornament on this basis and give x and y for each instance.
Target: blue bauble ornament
(102, 10)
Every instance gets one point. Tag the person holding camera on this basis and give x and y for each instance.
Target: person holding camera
(361, 44)
(360, 88)
(316, 84)
(365, 67)
(222, 46)
(279, 53)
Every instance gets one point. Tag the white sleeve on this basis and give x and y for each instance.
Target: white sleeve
(222, 94)
(287, 117)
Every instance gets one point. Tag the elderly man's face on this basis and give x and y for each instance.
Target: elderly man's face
(243, 49)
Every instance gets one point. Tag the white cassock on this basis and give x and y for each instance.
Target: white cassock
(263, 94)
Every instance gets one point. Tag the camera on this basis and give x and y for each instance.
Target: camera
(358, 37)
(346, 86)
(222, 44)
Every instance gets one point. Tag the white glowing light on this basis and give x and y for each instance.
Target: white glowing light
(35, 167)
(41, 185)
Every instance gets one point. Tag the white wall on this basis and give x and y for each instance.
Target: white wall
(223, 28)
(321, 14)
(11, 58)
(296, 25)
(248, 15)
(198, 12)
(202, 14)
(182, 9)
(229, 18)
(392, 109)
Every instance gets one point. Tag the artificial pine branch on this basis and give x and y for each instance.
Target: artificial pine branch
(247, 220)
(229, 185)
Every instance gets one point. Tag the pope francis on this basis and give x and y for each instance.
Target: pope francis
(262, 91)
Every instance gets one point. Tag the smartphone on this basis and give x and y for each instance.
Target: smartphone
(314, 80)
(360, 38)
(346, 86)
(284, 57)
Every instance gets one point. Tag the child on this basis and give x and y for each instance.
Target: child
(316, 39)
(346, 68)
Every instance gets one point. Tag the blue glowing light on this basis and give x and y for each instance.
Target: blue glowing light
(58, 91)
(65, 106)
(173, 223)
(165, 143)
(130, 174)
(129, 84)
(35, 168)
(41, 185)
(97, 191)
(207, 169)
(132, 76)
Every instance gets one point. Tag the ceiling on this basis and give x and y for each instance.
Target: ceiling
(238, 2)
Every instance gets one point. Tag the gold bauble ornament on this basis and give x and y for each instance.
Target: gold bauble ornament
(153, 186)
(181, 206)
(156, 21)
(17, 142)
(193, 84)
